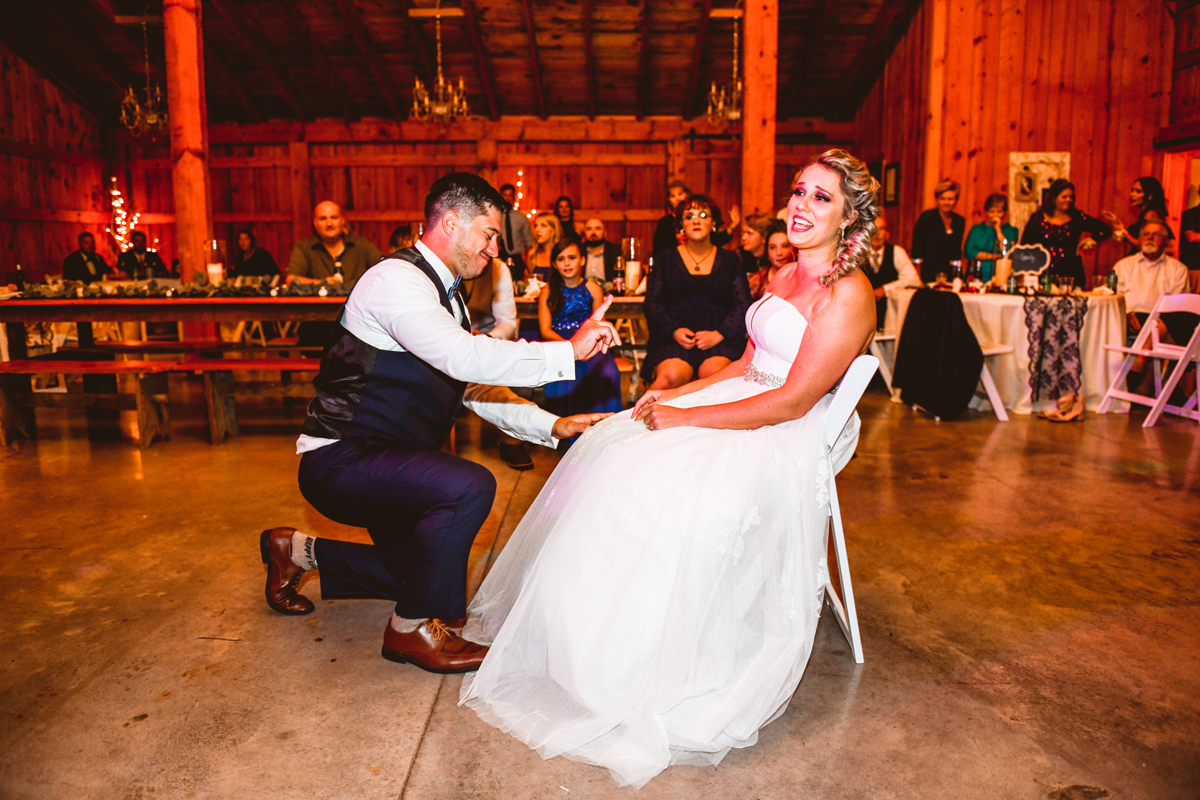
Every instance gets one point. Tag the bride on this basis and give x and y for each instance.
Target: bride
(657, 604)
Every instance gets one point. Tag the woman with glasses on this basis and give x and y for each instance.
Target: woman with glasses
(696, 301)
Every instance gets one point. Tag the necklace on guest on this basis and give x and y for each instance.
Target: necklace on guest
(698, 264)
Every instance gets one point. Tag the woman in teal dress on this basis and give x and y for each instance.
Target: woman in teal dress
(564, 303)
(991, 239)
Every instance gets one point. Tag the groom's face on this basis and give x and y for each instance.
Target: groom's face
(476, 243)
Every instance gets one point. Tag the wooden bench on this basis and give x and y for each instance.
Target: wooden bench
(149, 398)
(203, 348)
(220, 389)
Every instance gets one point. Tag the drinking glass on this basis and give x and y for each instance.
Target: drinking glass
(632, 251)
(1068, 283)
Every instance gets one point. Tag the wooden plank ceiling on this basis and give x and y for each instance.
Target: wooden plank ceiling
(309, 59)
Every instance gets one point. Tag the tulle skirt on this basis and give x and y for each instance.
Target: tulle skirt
(658, 602)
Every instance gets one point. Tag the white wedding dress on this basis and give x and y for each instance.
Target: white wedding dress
(657, 604)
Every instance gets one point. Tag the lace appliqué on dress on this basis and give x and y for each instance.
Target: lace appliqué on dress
(732, 541)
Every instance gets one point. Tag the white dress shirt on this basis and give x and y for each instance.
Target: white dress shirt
(1143, 281)
(904, 268)
(395, 308)
(594, 269)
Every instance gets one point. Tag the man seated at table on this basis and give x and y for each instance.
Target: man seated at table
(887, 266)
(140, 263)
(600, 255)
(85, 264)
(334, 254)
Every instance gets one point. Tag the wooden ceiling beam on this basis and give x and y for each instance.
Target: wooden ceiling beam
(689, 94)
(485, 72)
(225, 76)
(643, 59)
(299, 29)
(886, 32)
(366, 46)
(589, 60)
(425, 66)
(539, 92)
(252, 42)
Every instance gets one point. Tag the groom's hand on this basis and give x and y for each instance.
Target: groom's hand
(595, 335)
(566, 427)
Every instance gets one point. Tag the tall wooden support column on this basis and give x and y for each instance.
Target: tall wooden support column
(189, 133)
(758, 106)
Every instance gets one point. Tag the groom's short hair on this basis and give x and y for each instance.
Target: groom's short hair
(465, 194)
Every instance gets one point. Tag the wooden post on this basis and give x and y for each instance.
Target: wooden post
(189, 133)
(758, 106)
(301, 182)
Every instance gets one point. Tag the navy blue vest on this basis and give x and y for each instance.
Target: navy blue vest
(887, 268)
(365, 391)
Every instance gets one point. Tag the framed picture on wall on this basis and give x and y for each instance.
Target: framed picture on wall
(891, 184)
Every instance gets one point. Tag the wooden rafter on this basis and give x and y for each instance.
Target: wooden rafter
(886, 32)
(539, 92)
(299, 29)
(643, 58)
(366, 46)
(226, 78)
(589, 60)
(689, 95)
(425, 66)
(252, 42)
(485, 73)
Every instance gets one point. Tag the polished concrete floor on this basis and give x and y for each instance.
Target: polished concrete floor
(1027, 595)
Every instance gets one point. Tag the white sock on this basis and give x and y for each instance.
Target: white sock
(304, 554)
(402, 625)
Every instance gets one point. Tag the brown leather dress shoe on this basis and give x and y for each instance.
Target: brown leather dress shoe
(283, 577)
(434, 648)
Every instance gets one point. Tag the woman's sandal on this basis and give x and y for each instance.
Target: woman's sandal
(1073, 412)
(1063, 404)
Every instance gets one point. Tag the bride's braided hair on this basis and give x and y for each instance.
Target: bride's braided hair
(861, 193)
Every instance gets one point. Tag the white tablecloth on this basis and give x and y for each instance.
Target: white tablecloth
(1000, 318)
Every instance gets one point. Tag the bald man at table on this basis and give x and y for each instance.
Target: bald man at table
(333, 254)
(388, 393)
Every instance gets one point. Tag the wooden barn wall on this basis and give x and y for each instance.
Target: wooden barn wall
(380, 182)
(971, 82)
(52, 173)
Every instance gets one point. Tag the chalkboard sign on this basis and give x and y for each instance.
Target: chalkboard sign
(1031, 259)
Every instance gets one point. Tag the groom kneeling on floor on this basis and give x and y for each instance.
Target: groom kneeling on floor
(389, 390)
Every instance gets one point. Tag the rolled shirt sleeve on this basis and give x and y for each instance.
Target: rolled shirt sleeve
(512, 414)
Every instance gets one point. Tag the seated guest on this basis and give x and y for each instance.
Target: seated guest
(333, 254)
(139, 263)
(402, 236)
(564, 303)
(696, 301)
(1147, 276)
(988, 240)
(85, 264)
(250, 259)
(564, 209)
(755, 230)
(668, 233)
(1064, 230)
(599, 254)
(515, 235)
(887, 267)
(938, 234)
(1149, 202)
(547, 232)
(779, 253)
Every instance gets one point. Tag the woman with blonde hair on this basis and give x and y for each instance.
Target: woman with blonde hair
(668, 622)
(938, 235)
(547, 232)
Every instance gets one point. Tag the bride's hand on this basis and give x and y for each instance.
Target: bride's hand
(566, 427)
(651, 397)
(657, 416)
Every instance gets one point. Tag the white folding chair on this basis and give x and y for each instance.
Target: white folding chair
(845, 399)
(993, 349)
(885, 364)
(1147, 345)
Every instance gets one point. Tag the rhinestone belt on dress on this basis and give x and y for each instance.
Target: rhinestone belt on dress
(756, 375)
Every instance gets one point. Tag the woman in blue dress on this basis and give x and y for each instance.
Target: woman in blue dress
(564, 303)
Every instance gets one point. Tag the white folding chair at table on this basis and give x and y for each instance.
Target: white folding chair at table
(885, 364)
(1147, 345)
(991, 349)
(845, 399)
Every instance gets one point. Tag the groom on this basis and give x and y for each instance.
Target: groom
(390, 388)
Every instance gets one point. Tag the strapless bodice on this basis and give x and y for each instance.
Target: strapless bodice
(777, 328)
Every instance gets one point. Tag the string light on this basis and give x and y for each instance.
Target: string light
(122, 225)
(520, 194)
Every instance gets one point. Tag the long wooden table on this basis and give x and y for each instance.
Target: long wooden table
(621, 308)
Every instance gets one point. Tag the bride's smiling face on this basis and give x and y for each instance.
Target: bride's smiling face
(814, 212)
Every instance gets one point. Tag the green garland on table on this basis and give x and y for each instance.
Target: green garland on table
(71, 290)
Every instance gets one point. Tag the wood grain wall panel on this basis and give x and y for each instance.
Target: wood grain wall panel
(52, 163)
(1024, 75)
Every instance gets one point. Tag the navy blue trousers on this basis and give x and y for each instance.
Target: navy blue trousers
(422, 508)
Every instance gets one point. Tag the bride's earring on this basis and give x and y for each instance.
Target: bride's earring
(842, 234)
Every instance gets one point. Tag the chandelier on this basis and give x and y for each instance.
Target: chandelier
(725, 102)
(147, 113)
(447, 102)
